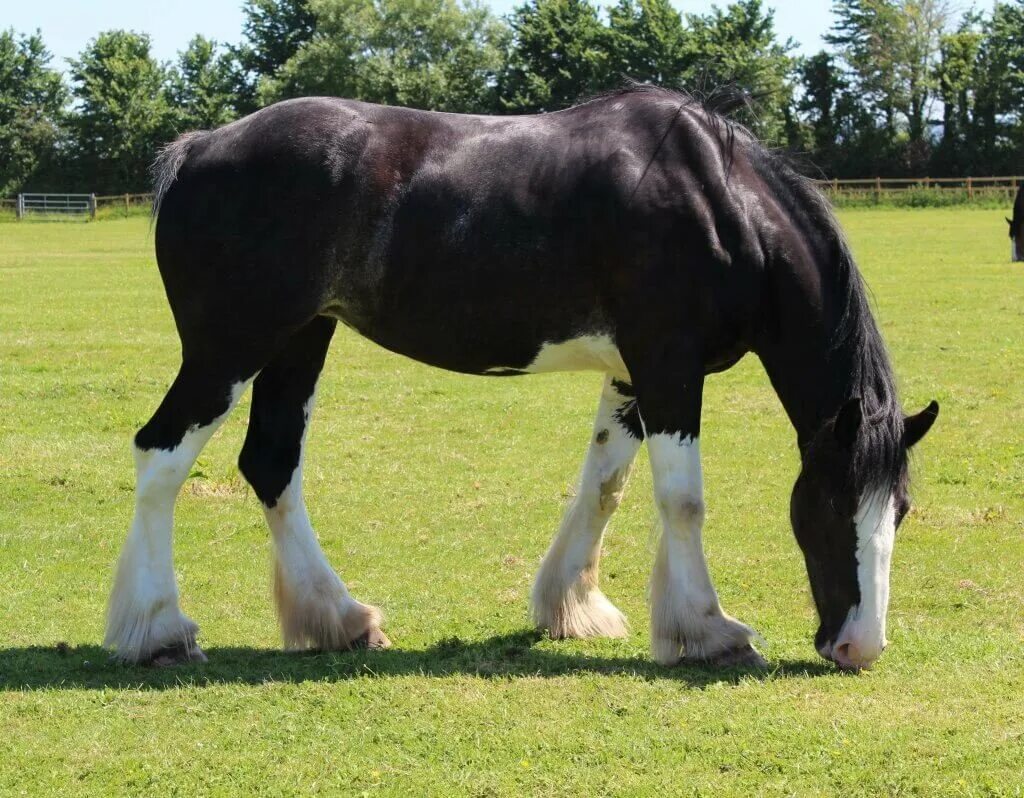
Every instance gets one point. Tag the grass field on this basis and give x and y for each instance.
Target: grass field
(435, 496)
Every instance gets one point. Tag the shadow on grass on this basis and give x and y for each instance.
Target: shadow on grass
(503, 656)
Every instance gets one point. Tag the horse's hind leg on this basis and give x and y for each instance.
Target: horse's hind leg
(144, 623)
(313, 604)
(566, 599)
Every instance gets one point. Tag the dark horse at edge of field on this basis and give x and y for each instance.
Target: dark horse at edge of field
(1017, 228)
(640, 234)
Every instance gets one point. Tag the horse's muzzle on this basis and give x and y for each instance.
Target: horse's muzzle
(855, 649)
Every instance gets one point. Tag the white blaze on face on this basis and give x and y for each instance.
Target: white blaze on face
(1013, 250)
(862, 637)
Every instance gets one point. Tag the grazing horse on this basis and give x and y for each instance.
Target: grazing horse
(1017, 228)
(640, 234)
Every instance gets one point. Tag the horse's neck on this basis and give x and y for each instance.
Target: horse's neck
(809, 371)
(803, 385)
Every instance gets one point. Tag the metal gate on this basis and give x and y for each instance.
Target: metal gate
(56, 205)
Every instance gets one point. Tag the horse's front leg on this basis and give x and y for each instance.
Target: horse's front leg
(566, 599)
(686, 618)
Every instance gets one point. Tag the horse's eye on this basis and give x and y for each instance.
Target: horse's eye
(901, 511)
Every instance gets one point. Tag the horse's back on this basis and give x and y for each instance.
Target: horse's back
(467, 242)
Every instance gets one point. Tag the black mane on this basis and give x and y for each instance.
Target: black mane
(858, 357)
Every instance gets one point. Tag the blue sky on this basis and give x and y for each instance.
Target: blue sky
(67, 25)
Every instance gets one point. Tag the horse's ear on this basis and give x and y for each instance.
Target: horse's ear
(848, 422)
(916, 427)
(1009, 222)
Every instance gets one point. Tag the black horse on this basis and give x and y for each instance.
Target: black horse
(1017, 228)
(640, 234)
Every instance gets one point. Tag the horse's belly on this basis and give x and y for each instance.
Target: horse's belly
(481, 349)
(512, 326)
(585, 353)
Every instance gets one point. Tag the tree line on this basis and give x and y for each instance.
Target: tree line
(905, 88)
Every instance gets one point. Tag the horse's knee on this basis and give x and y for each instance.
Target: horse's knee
(682, 506)
(267, 469)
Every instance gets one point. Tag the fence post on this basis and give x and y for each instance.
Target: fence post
(970, 189)
(878, 190)
(92, 206)
(125, 206)
(927, 182)
(835, 186)
(20, 207)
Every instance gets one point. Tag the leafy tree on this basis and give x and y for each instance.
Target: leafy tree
(122, 114)
(201, 86)
(924, 22)
(272, 32)
(956, 75)
(892, 48)
(823, 90)
(839, 133)
(560, 53)
(432, 54)
(647, 41)
(32, 100)
(999, 89)
(864, 108)
(865, 34)
(738, 45)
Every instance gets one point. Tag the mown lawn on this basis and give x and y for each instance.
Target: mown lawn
(435, 496)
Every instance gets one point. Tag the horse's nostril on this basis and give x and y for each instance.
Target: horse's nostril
(846, 656)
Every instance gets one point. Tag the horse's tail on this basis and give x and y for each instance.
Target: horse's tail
(167, 163)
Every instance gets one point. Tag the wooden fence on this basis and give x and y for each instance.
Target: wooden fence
(123, 202)
(880, 188)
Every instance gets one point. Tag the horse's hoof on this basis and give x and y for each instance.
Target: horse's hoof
(372, 639)
(746, 657)
(178, 654)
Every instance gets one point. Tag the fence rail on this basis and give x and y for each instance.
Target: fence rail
(880, 187)
(124, 202)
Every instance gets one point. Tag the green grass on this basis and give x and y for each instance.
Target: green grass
(435, 495)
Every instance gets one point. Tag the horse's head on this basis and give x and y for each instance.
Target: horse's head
(1017, 227)
(1016, 238)
(845, 524)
